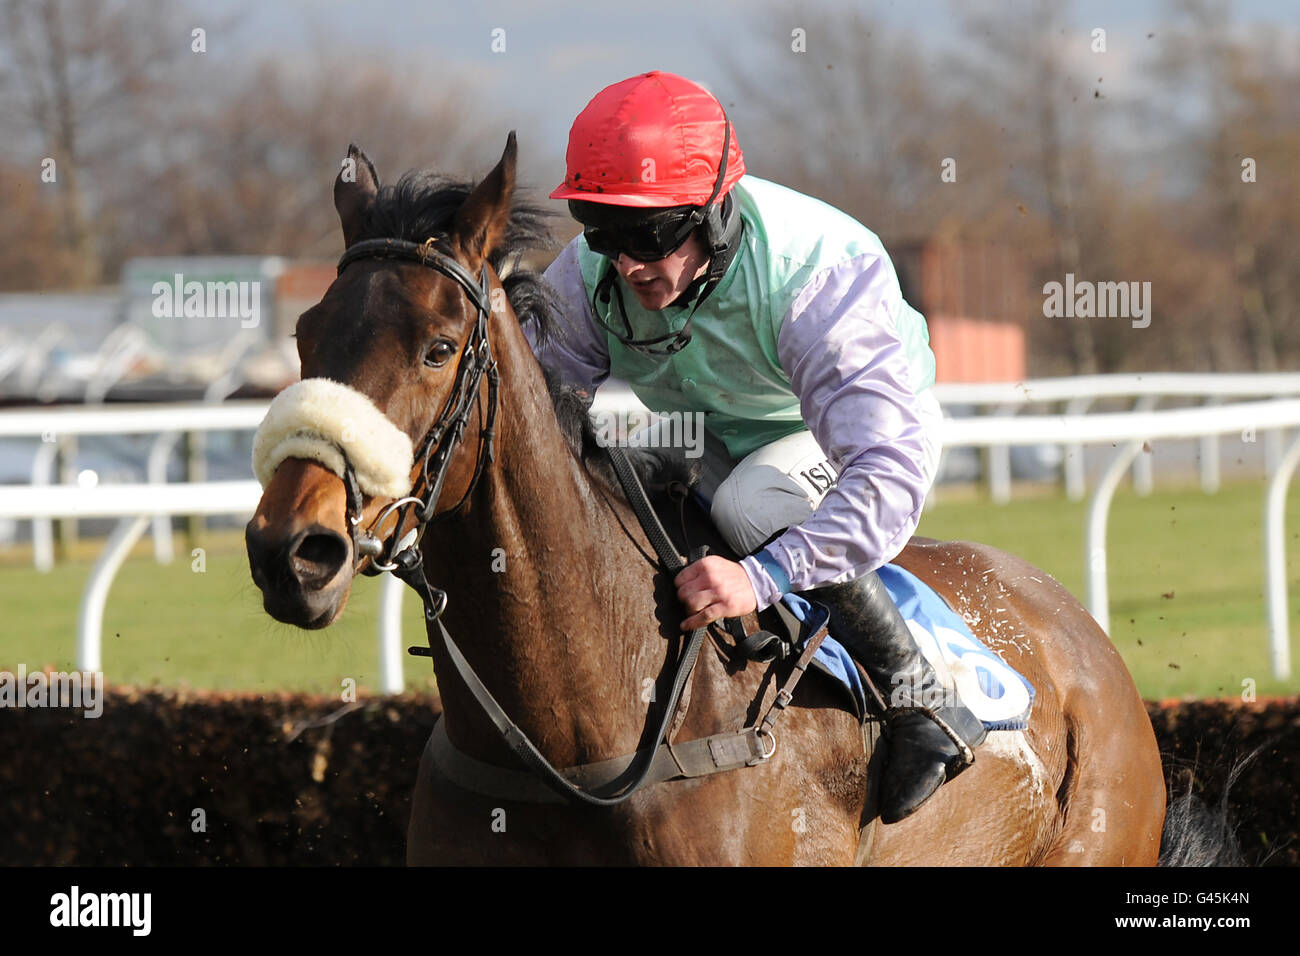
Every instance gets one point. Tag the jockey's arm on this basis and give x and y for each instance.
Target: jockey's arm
(861, 396)
(578, 351)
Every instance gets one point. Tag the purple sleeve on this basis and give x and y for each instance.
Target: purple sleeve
(579, 350)
(858, 393)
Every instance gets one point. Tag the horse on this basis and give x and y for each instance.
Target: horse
(553, 591)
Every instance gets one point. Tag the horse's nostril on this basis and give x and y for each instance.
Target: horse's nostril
(260, 552)
(318, 558)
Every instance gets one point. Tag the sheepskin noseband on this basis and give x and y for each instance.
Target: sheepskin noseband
(317, 417)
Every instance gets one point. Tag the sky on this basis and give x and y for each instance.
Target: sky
(558, 53)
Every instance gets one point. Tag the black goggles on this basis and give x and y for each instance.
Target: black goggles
(645, 238)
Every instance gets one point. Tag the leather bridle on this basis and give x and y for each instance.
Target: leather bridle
(435, 451)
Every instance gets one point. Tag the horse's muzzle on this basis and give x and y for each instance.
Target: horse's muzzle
(304, 581)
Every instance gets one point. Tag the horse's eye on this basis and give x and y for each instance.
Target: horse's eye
(439, 353)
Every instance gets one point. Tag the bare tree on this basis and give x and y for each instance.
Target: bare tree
(163, 148)
(903, 136)
(251, 175)
(29, 227)
(842, 108)
(1018, 66)
(70, 72)
(1249, 183)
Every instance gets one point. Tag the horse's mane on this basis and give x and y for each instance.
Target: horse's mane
(423, 203)
(656, 469)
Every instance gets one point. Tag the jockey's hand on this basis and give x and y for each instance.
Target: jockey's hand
(713, 588)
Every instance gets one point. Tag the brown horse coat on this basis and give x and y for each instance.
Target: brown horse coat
(578, 625)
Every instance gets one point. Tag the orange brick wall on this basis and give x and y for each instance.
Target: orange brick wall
(974, 296)
(977, 350)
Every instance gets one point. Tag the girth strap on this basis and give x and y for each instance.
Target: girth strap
(696, 758)
(670, 761)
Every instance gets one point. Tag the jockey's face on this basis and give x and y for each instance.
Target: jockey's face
(657, 284)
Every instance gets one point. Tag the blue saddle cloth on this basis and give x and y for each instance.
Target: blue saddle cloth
(995, 693)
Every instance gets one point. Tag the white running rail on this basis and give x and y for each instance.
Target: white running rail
(1076, 394)
(134, 504)
(60, 426)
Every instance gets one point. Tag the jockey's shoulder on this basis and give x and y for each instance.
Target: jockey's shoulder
(799, 233)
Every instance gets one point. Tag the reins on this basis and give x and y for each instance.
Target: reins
(661, 760)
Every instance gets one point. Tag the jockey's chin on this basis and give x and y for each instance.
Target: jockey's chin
(657, 284)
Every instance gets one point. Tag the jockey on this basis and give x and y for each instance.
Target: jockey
(780, 320)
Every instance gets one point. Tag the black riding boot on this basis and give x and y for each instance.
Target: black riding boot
(922, 756)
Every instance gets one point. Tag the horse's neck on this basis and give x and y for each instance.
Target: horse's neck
(550, 599)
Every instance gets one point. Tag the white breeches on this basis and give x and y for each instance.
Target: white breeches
(779, 485)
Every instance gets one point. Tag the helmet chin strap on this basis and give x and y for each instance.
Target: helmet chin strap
(722, 228)
(722, 249)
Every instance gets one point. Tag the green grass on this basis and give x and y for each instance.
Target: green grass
(171, 626)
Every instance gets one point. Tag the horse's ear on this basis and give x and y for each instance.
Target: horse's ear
(355, 190)
(481, 222)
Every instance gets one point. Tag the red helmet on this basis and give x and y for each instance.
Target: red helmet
(653, 140)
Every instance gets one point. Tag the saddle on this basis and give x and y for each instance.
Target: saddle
(998, 695)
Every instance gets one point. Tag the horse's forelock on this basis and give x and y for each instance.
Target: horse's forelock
(423, 204)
